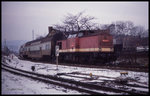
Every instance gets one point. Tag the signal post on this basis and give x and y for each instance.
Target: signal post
(57, 54)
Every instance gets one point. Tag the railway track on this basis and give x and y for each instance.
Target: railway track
(68, 83)
(112, 81)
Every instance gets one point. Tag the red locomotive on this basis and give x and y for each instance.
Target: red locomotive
(87, 47)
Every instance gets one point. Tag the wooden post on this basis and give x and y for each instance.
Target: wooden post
(57, 54)
(57, 61)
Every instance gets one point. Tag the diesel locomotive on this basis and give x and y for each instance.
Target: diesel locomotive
(87, 47)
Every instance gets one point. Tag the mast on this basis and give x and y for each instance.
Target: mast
(33, 34)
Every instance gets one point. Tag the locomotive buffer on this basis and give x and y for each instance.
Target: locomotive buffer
(57, 54)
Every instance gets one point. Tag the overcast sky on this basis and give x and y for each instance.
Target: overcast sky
(20, 18)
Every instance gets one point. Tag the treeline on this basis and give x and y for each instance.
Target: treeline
(78, 22)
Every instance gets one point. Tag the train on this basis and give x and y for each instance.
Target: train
(86, 46)
(43, 48)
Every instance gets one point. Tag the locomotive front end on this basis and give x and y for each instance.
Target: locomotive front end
(106, 43)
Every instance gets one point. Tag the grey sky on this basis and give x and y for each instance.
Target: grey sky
(20, 18)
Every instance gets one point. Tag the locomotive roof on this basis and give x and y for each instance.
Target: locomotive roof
(88, 33)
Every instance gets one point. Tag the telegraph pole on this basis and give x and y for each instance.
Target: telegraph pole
(33, 34)
(57, 61)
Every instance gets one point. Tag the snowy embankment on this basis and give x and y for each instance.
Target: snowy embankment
(51, 69)
(81, 74)
(13, 84)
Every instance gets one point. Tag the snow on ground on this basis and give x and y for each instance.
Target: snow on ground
(13, 84)
(104, 74)
(50, 69)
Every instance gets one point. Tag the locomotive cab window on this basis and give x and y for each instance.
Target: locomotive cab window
(72, 36)
(60, 45)
(80, 34)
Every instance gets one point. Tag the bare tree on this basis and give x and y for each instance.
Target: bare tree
(86, 24)
(145, 33)
(76, 22)
(138, 31)
(5, 49)
(60, 27)
(120, 27)
(104, 26)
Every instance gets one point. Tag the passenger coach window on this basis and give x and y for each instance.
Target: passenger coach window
(47, 47)
(80, 34)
